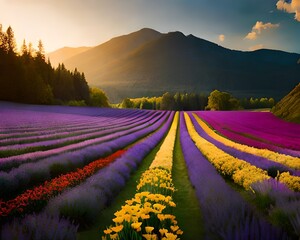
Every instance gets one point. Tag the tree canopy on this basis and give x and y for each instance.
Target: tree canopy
(25, 76)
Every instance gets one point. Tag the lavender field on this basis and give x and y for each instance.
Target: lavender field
(92, 173)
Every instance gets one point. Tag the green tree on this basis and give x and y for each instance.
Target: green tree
(24, 50)
(221, 101)
(98, 98)
(146, 104)
(127, 103)
(41, 52)
(10, 41)
(167, 102)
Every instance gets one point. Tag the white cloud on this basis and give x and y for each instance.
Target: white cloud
(256, 47)
(258, 28)
(292, 7)
(221, 37)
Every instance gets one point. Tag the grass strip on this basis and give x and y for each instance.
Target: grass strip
(187, 212)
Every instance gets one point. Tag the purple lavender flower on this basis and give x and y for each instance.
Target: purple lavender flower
(226, 214)
(89, 198)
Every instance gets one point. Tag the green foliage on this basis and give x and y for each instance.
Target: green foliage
(178, 101)
(98, 98)
(167, 102)
(218, 100)
(254, 103)
(75, 103)
(126, 103)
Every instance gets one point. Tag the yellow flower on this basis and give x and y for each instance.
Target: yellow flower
(149, 229)
(163, 231)
(117, 228)
(108, 231)
(179, 232)
(145, 216)
(172, 204)
(147, 204)
(171, 236)
(150, 236)
(161, 217)
(127, 217)
(159, 207)
(129, 202)
(114, 236)
(174, 228)
(136, 225)
(118, 219)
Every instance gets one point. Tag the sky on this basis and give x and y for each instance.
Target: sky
(235, 24)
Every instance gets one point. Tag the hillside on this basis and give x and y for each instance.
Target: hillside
(289, 107)
(64, 53)
(148, 63)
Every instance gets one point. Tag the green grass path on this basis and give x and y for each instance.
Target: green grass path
(128, 192)
(187, 211)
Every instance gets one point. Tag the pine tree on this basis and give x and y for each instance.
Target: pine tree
(24, 50)
(41, 51)
(10, 41)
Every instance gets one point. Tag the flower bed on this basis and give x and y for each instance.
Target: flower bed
(44, 192)
(148, 214)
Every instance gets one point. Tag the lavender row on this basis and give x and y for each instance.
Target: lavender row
(62, 123)
(29, 174)
(95, 134)
(84, 202)
(85, 127)
(13, 161)
(260, 129)
(260, 162)
(41, 226)
(226, 214)
(35, 120)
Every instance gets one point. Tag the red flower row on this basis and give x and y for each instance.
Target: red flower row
(53, 187)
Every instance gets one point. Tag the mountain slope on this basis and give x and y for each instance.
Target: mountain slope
(96, 59)
(289, 107)
(65, 53)
(147, 63)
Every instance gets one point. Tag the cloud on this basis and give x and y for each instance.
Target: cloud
(256, 47)
(251, 36)
(258, 28)
(292, 6)
(221, 37)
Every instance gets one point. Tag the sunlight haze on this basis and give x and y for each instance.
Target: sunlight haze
(89, 23)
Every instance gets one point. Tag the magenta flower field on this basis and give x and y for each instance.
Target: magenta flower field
(257, 129)
(92, 173)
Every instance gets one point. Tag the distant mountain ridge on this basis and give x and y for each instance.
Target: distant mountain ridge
(62, 54)
(148, 63)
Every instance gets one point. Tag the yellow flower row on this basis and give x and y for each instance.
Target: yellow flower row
(289, 161)
(156, 180)
(164, 157)
(145, 214)
(242, 172)
(148, 214)
(293, 182)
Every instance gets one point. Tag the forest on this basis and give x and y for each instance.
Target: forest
(27, 77)
(216, 100)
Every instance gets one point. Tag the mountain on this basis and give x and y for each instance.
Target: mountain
(148, 63)
(289, 107)
(65, 53)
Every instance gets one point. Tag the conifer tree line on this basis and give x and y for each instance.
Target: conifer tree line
(26, 76)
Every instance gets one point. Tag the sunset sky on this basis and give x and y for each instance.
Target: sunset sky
(244, 24)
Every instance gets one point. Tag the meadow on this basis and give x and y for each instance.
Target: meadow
(103, 173)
